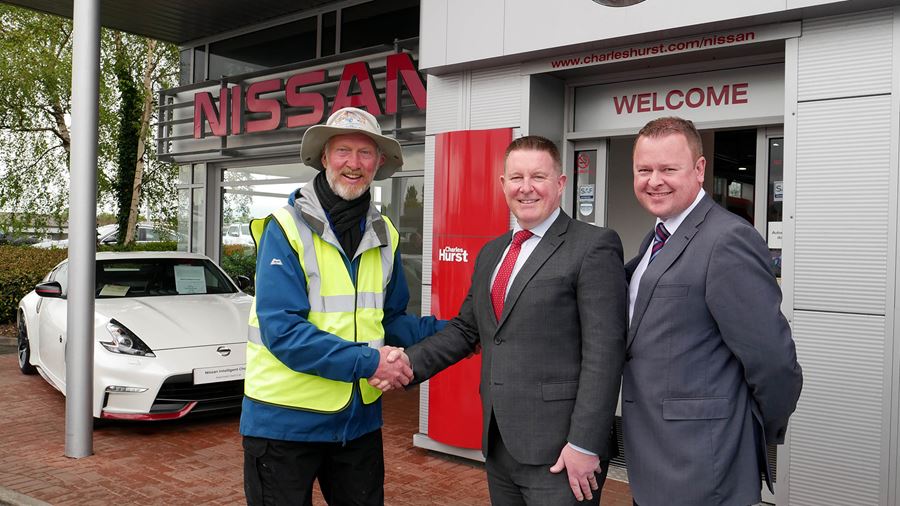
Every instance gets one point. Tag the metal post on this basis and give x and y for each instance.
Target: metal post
(82, 229)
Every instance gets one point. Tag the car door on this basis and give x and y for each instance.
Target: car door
(52, 330)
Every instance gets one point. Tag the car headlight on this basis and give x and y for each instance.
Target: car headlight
(124, 341)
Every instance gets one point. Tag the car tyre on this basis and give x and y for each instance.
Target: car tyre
(23, 348)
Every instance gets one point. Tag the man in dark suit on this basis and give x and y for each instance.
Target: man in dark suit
(711, 373)
(547, 306)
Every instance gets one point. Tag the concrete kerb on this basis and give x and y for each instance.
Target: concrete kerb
(11, 498)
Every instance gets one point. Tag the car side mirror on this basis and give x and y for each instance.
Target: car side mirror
(243, 282)
(51, 289)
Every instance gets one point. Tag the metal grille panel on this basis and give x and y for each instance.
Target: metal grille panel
(496, 98)
(847, 55)
(836, 432)
(444, 104)
(843, 167)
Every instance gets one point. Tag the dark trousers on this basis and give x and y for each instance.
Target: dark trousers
(511, 483)
(282, 472)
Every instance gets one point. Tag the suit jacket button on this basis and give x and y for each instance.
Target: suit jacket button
(497, 340)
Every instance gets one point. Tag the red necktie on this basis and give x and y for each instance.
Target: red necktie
(498, 291)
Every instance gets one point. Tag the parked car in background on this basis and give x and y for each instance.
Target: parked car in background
(108, 234)
(237, 233)
(170, 332)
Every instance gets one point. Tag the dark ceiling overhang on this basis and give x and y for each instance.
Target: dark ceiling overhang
(179, 21)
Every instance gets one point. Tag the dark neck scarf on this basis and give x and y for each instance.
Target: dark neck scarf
(345, 215)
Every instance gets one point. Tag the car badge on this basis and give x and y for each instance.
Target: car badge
(224, 351)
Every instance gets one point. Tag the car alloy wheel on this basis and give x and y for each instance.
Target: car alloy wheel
(23, 348)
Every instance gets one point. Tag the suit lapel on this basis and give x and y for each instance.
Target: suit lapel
(548, 244)
(481, 283)
(675, 245)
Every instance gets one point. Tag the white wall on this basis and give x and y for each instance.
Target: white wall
(458, 31)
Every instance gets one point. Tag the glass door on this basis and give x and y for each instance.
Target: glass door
(589, 181)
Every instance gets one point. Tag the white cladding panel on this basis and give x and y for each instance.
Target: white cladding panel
(837, 432)
(846, 56)
(496, 98)
(842, 203)
(428, 224)
(445, 104)
(470, 29)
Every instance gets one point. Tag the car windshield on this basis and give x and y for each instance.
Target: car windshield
(159, 276)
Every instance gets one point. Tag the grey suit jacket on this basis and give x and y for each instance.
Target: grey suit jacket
(711, 372)
(551, 367)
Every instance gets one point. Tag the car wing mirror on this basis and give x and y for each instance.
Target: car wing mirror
(243, 282)
(51, 289)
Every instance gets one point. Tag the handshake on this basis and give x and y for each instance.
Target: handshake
(393, 370)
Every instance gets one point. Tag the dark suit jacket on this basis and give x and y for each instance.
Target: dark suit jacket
(551, 367)
(711, 374)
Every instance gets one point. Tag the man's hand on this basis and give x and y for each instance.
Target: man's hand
(393, 369)
(580, 467)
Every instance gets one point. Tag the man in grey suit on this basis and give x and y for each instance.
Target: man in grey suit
(711, 373)
(547, 306)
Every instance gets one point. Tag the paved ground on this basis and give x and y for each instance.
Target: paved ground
(194, 461)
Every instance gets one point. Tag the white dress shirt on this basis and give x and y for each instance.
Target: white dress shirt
(671, 225)
(527, 248)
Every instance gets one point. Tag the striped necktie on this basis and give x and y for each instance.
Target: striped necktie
(659, 240)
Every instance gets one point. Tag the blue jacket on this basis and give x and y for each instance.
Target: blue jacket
(282, 307)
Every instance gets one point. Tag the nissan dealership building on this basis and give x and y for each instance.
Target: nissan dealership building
(798, 103)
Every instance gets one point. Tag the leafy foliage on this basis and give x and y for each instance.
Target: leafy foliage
(239, 260)
(35, 107)
(23, 267)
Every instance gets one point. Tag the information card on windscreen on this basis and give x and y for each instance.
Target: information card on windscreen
(190, 279)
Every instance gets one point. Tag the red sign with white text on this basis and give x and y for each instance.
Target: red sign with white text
(469, 211)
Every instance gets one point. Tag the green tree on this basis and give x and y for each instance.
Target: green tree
(35, 105)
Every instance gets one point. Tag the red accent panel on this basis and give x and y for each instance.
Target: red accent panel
(295, 98)
(204, 109)
(400, 66)
(267, 105)
(470, 210)
(366, 98)
(147, 417)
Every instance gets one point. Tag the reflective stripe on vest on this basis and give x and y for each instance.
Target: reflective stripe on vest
(350, 311)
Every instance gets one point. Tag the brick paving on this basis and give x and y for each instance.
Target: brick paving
(198, 461)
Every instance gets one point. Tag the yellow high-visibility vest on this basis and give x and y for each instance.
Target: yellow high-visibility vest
(351, 311)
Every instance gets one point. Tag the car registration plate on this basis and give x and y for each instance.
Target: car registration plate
(220, 373)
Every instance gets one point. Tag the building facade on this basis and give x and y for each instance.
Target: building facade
(798, 103)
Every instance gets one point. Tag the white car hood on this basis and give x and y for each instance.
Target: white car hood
(180, 321)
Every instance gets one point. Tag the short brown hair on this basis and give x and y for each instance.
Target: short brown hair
(670, 125)
(536, 143)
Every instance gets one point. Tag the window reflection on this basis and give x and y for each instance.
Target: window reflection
(254, 192)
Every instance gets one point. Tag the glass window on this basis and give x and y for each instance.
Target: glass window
(401, 200)
(61, 276)
(159, 276)
(184, 174)
(183, 217)
(775, 202)
(329, 33)
(199, 64)
(198, 173)
(184, 66)
(198, 206)
(272, 47)
(375, 23)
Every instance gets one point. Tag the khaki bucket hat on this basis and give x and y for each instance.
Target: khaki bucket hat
(350, 120)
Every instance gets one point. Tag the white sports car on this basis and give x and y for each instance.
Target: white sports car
(170, 334)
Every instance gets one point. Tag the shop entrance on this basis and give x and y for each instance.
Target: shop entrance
(744, 174)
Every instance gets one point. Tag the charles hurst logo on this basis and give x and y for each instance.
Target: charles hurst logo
(450, 254)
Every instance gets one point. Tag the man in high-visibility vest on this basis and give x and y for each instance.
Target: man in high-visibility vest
(330, 294)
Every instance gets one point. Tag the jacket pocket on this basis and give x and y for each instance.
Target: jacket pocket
(702, 408)
(559, 391)
(670, 291)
